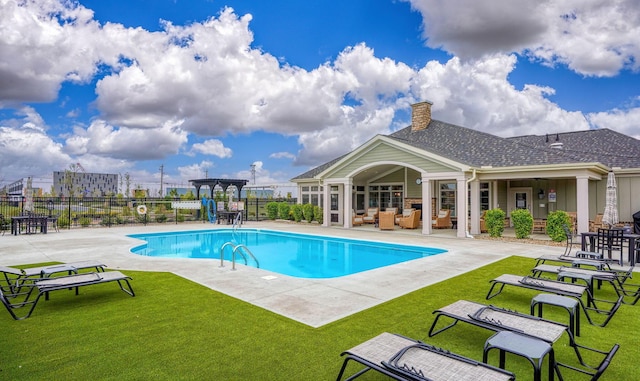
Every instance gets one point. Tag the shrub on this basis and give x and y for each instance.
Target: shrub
(272, 210)
(317, 214)
(522, 223)
(307, 210)
(555, 220)
(63, 221)
(283, 211)
(160, 218)
(494, 221)
(84, 221)
(296, 210)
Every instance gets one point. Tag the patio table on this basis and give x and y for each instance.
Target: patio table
(589, 242)
(32, 222)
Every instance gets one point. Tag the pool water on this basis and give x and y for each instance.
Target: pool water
(293, 254)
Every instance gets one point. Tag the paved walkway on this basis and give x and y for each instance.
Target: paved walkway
(314, 302)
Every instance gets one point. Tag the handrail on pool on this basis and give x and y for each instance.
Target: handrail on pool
(233, 254)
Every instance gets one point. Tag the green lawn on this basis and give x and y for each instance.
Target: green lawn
(176, 329)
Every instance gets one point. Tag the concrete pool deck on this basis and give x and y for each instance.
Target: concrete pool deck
(314, 302)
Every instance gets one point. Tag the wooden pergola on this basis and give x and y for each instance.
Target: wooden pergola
(222, 183)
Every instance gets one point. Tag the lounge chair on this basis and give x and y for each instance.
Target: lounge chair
(597, 371)
(595, 258)
(411, 222)
(405, 213)
(386, 220)
(371, 216)
(13, 277)
(442, 220)
(500, 319)
(571, 290)
(47, 285)
(356, 219)
(402, 358)
(616, 279)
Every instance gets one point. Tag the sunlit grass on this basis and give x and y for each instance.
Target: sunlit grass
(176, 329)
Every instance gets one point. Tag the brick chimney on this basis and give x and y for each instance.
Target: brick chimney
(420, 115)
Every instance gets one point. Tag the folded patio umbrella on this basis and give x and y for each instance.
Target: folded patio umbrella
(610, 215)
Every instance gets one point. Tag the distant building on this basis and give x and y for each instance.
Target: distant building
(84, 184)
(39, 186)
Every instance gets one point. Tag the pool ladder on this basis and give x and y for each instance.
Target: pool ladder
(236, 248)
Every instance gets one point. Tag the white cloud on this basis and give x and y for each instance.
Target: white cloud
(103, 139)
(213, 147)
(591, 37)
(195, 171)
(26, 149)
(205, 79)
(478, 95)
(623, 121)
(282, 155)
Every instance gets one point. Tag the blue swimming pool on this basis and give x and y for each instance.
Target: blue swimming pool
(298, 255)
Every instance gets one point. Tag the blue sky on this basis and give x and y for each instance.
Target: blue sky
(212, 87)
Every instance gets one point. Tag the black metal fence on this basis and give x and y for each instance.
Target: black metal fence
(72, 212)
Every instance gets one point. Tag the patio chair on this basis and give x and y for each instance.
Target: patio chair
(14, 277)
(571, 290)
(608, 241)
(371, 216)
(405, 213)
(596, 223)
(572, 239)
(402, 358)
(356, 219)
(394, 210)
(500, 319)
(442, 220)
(483, 225)
(573, 216)
(412, 221)
(386, 220)
(47, 285)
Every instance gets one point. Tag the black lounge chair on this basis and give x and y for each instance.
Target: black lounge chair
(500, 319)
(13, 277)
(46, 285)
(597, 258)
(595, 372)
(406, 359)
(616, 279)
(571, 290)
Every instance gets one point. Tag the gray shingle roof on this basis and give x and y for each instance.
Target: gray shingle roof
(475, 148)
(605, 146)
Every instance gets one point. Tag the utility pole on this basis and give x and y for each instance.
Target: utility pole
(161, 178)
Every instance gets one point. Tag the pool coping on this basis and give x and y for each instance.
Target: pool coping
(314, 302)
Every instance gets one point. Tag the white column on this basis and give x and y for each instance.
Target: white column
(461, 206)
(475, 207)
(582, 203)
(326, 213)
(347, 203)
(426, 205)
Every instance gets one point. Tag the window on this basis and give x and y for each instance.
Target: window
(386, 196)
(311, 195)
(448, 197)
(485, 204)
